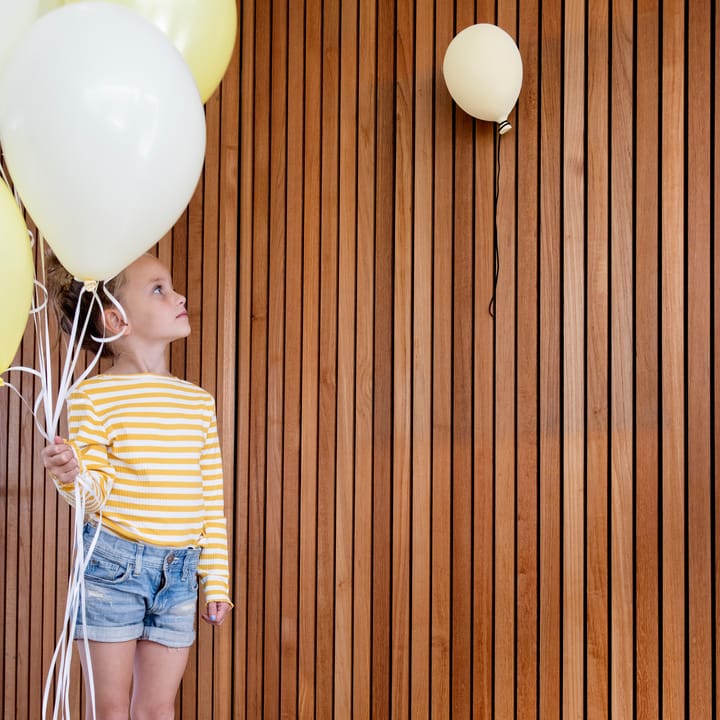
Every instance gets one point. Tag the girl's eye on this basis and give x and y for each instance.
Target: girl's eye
(158, 289)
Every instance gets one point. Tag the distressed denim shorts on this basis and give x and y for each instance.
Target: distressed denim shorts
(135, 591)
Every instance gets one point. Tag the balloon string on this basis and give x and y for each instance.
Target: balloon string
(62, 656)
(496, 247)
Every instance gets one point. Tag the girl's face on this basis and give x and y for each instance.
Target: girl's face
(155, 312)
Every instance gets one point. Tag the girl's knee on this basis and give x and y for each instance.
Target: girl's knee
(153, 711)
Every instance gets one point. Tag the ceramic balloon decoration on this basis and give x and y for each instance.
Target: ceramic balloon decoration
(483, 73)
(16, 276)
(103, 131)
(202, 30)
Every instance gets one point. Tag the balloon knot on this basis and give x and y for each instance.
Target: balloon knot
(503, 127)
(90, 285)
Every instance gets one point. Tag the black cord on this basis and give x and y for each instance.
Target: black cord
(491, 306)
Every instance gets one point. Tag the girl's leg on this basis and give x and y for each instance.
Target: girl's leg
(158, 672)
(112, 670)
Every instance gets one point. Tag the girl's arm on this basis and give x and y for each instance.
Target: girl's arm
(213, 569)
(83, 459)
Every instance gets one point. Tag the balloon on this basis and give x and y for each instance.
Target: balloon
(16, 277)
(103, 132)
(202, 30)
(483, 72)
(16, 16)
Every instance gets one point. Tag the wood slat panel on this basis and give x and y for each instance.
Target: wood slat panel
(363, 633)
(597, 363)
(434, 511)
(672, 354)
(550, 568)
(647, 422)
(621, 363)
(527, 464)
(441, 599)
(574, 402)
(402, 363)
(697, 352)
(345, 462)
(421, 338)
(505, 410)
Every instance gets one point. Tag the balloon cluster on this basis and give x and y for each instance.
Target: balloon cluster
(102, 129)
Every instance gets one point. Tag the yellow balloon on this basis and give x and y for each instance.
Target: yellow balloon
(16, 277)
(202, 30)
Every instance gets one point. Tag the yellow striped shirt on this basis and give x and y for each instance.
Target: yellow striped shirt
(151, 467)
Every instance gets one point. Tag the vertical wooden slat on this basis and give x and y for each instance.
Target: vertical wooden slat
(597, 396)
(382, 370)
(573, 319)
(241, 580)
(226, 343)
(257, 539)
(207, 239)
(621, 361)
(673, 386)
(11, 569)
(647, 366)
(24, 537)
(293, 367)
(187, 244)
(327, 378)
(275, 422)
(550, 428)
(347, 264)
(462, 395)
(422, 268)
(310, 361)
(364, 362)
(5, 468)
(441, 661)
(715, 344)
(505, 392)
(698, 362)
(402, 361)
(527, 366)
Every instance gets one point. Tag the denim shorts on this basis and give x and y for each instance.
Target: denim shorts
(135, 591)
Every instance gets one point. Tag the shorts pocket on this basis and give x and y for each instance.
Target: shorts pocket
(103, 570)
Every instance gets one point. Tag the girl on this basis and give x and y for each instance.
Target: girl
(143, 448)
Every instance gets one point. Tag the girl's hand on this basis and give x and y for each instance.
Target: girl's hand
(216, 612)
(60, 461)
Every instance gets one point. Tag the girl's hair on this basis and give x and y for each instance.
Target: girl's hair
(64, 293)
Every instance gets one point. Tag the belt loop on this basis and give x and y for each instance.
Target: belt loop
(138, 559)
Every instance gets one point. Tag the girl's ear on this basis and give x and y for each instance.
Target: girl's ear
(114, 321)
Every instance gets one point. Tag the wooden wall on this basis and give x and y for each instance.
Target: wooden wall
(437, 512)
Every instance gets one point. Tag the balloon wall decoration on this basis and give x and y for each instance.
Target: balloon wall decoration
(483, 73)
(103, 132)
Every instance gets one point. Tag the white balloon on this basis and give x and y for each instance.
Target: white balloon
(103, 131)
(16, 16)
(483, 72)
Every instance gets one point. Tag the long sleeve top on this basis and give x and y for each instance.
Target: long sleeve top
(150, 466)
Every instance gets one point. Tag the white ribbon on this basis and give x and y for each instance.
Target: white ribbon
(51, 410)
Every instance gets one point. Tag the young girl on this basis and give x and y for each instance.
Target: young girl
(143, 448)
